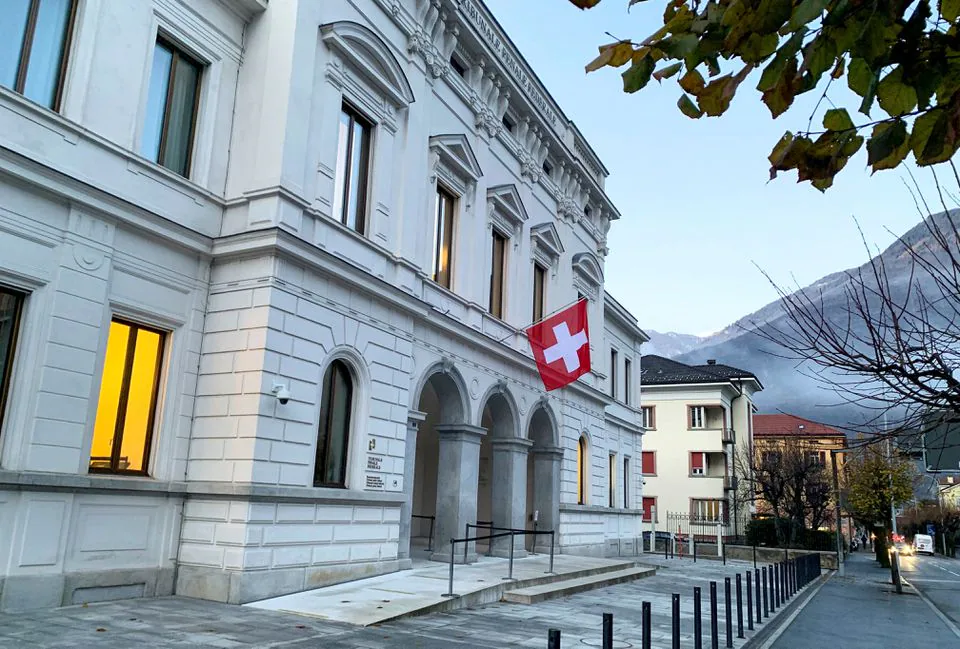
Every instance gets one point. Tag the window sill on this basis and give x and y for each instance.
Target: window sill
(599, 509)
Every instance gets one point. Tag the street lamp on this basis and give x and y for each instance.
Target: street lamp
(836, 499)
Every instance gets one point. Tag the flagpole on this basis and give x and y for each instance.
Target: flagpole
(549, 315)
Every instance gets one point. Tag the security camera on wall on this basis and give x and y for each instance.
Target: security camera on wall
(282, 393)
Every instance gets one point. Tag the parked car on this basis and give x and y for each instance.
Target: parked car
(923, 543)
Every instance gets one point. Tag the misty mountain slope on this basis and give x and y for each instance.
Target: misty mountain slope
(670, 344)
(786, 388)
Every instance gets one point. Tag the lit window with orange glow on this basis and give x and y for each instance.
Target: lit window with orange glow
(128, 399)
(582, 472)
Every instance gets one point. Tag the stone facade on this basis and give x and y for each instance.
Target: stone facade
(258, 289)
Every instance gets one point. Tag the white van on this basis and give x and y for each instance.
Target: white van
(923, 543)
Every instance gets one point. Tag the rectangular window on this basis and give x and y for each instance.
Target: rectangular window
(697, 416)
(458, 66)
(697, 463)
(648, 417)
(172, 104)
(613, 373)
(539, 291)
(707, 510)
(128, 399)
(649, 504)
(34, 40)
(353, 170)
(11, 304)
(627, 370)
(443, 238)
(497, 272)
(612, 501)
(626, 483)
(648, 463)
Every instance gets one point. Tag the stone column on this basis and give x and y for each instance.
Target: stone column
(546, 492)
(414, 419)
(509, 493)
(458, 470)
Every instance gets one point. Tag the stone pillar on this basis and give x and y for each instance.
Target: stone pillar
(546, 492)
(414, 419)
(509, 493)
(458, 470)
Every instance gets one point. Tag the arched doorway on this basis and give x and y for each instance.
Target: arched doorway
(543, 477)
(445, 464)
(502, 470)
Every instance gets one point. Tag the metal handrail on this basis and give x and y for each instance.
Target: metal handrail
(473, 539)
(432, 520)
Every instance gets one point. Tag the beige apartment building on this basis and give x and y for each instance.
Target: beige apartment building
(696, 419)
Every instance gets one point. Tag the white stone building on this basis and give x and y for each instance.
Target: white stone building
(264, 269)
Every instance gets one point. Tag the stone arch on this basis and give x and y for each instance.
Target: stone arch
(371, 56)
(360, 376)
(499, 413)
(446, 382)
(544, 464)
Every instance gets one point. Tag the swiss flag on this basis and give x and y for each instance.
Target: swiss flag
(561, 346)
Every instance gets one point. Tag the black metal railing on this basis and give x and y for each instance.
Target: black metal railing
(774, 585)
(504, 533)
(433, 520)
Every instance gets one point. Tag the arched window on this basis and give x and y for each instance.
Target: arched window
(333, 437)
(582, 471)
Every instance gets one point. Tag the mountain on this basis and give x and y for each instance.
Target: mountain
(786, 387)
(670, 344)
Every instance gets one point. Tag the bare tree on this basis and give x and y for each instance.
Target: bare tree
(892, 346)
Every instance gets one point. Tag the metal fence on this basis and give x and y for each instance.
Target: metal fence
(753, 595)
(695, 536)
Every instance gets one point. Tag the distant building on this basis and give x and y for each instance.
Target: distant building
(950, 491)
(694, 417)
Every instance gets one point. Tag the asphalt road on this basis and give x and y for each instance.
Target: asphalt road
(937, 578)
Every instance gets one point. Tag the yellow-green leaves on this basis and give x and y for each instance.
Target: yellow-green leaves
(614, 55)
(638, 74)
(896, 97)
(888, 145)
(688, 108)
(950, 9)
(806, 11)
(837, 119)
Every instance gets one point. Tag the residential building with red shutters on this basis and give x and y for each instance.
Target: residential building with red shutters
(696, 418)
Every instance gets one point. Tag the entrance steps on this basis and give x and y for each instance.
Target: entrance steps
(564, 587)
(420, 590)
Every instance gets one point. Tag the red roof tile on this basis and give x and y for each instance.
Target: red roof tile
(791, 425)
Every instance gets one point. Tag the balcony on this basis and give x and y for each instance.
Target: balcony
(729, 483)
(729, 435)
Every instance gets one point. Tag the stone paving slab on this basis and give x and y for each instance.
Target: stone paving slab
(180, 623)
(399, 594)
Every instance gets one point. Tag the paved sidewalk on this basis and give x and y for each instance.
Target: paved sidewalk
(179, 623)
(862, 609)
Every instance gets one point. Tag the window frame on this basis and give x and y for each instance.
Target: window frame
(709, 503)
(6, 378)
(496, 302)
(539, 296)
(23, 63)
(348, 432)
(626, 482)
(614, 362)
(117, 446)
(651, 420)
(583, 455)
(703, 464)
(444, 196)
(653, 455)
(612, 480)
(627, 371)
(366, 155)
(177, 52)
(691, 419)
(647, 518)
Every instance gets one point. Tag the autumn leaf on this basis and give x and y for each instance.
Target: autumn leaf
(688, 108)
(585, 4)
(667, 72)
(638, 75)
(837, 119)
(895, 96)
(888, 145)
(692, 82)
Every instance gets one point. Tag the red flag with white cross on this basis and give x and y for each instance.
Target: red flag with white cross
(561, 346)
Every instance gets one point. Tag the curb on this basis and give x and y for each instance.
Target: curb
(936, 609)
(767, 635)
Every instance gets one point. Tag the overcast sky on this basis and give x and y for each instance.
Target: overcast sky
(698, 212)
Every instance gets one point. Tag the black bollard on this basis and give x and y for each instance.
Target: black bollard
(714, 635)
(739, 606)
(608, 631)
(645, 641)
(766, 592)
(757, 584)
(553, 639)
(676, 621)
(728, 611)
(774, 595)
(697, 622)
(749, 601)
